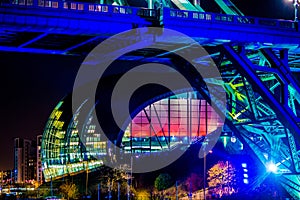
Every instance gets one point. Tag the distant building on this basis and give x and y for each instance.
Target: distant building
(24, 160)
(39, 172)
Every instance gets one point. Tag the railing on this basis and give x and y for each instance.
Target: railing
(182, 14)
(83, 7)
(231, 19)
(148, 13)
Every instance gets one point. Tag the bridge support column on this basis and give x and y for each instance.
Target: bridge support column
(266, 114)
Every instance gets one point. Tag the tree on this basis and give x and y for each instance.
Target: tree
(110, 178)
(162, 182)
(69, 190)
(222, 178)
(143, 194)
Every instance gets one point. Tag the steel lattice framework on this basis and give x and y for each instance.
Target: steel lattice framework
(264, 107)
(257, 58)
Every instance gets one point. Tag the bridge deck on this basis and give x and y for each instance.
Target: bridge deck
(59, 27)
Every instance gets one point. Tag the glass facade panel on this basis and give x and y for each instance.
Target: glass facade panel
(63, 152)
(169, 122)
(72, 143)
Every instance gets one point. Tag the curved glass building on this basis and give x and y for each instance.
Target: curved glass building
(73, 143)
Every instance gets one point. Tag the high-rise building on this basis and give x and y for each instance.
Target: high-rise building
(39, 172)
(24, 160)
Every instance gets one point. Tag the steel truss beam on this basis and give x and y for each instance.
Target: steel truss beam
(263, 108)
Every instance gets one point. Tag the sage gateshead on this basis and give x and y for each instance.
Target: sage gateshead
(74, 142)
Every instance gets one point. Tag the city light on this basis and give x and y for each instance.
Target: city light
(271, 167)
(245, 175)
(233, 139)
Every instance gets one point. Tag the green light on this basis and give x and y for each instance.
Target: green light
(225, 141)
(59, 105)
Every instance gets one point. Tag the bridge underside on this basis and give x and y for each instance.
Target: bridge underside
(258, 60)
(52, 27)
(263, 105)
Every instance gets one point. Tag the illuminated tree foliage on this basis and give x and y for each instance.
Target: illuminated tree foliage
(69, 190)
(162, 182)
(222, 178)
(109, 179)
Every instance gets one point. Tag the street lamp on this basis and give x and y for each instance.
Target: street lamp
(51, 186)
(296, 5)
(204, 144)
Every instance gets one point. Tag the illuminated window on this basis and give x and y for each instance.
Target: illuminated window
(73, 6)
(195, 15)
(48, 4)
(80, 6)
(54, 4)
(104, 8)
(91, 7)
(186, 119)
(160, 126)
(66, 5)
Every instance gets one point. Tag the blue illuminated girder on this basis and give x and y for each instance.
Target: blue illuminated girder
(97, 20)
(261, 108)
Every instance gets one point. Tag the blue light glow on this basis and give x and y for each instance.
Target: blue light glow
(271, 167)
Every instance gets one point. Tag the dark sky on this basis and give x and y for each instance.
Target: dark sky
(32, 84)
(279, 9)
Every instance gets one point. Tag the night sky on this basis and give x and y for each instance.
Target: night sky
(32, 84)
